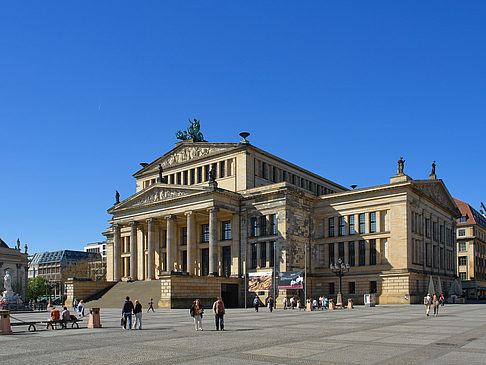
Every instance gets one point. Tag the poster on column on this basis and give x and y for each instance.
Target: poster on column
(291, 280)
(260, 281)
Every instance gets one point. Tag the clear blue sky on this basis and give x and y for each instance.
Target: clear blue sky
(90, 89)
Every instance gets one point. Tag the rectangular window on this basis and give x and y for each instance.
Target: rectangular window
(351, 256)
(462, 219)
(331, 227)
(185, 174)
(254, 227)
(254, 255)
(362, 223)
(342, 226)
(427, 227)
(462, 232)
(442, 234)
(184, 236)
(205, 262)
(263, 254)
(229, 170)
(463, 276)
(273, 224)
(263, 225)
(372, 252)
(351, 224)
(331, 288)
(206, 172)
(462, 246)
(172, 179)
(462, 260)
(372, 287)
(274, 174)
(428, 254)
(179, 178)
(192, 176)
(264, 170)
(331, 254)
(199, 174)
(372, 222)
(204, 233)
(362, 253)
(434, 231)
(226, 230)
(341, 250)
(351, 287)
(222, 169)
(271, 257)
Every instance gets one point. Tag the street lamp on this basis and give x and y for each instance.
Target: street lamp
(339, 269)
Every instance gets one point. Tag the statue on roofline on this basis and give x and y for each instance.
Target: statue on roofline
(193, 132)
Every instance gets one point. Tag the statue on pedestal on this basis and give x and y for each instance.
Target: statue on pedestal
(117, 197)
(400, 165)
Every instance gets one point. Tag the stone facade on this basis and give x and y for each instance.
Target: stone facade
(17, 263)
(263, 212)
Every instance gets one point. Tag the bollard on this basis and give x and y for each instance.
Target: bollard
(94, 318)
(332, 306)
(350, 303)
(5, 328)
(308, 306)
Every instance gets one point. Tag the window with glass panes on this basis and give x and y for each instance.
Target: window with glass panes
(362, 223)
(273, 224)
(462, 232)
(254, 227)
(184, 236)
(373, 252)
(351, 256)
(331, 253)
(199, 174)
(222, 169)
(351, 287)
(263, 254)
(226, 230)
(372, 222)
(362, 253)
(271, 257)
(351, 224)
(462, 246)
(372, 287)
(205, 233)
(341, 250)
(463, 276)
(331, 227)
(462, 260)
(254, 255)
(263, 225)
(342, 226)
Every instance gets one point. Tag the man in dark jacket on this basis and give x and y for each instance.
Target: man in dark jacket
(127, 313)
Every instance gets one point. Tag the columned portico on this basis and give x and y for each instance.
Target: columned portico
(133, 250)
(213, 252)
(151, 248)
(171, 228)
(191, 242)
(116, 252)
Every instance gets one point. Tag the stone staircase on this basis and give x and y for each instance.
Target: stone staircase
(141, 290)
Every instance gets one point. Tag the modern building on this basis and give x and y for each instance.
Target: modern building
(471, 250)
(97, 247)
(220, 211)
(58, 266)
(97, 268)
(16, 262)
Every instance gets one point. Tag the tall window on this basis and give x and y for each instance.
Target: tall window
(254, 227)
(372, 287)
(263, 254)
(206, 172)
(362, 223)
(373, 252)
(331, 288)
(193, 176)
(351, 287)
(341, 250)
(362, 253)
(331, 227)
(434, 230)
(342, 226)
(205, 233)
(462, 260)
(463, 276)
(351, 224)
(226, 230)
(271, 257)
(462, 246)
(427, 227)
(351, 256)
(184, 236)
(263, 225)
(442, 234)
(331, 253)
(273, 224)
(185, 179)
(372, 222)
(254, 255)
(274, 174)
(222, 169)
(264, 170)
(199, 174)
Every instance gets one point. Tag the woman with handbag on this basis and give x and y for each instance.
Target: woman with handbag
(197, 313)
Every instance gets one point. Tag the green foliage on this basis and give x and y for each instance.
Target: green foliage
(37, 287)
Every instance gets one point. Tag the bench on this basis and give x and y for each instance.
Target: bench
(31, 328)
(53, 323)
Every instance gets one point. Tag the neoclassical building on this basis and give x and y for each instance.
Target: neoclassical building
(16, 263)
(204, 215)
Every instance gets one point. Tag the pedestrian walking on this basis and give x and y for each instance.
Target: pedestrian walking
(219, 311)
(428, 303)
(151, 305)
(284, 302)
(270, 303)
(256, 303)
(435, 304)
(137, 311)
(292, 302)
(75, 304)
(197, 313)
(442, 300)
(127, 310)
(81, 308)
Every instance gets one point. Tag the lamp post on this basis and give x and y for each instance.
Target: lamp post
(339, 269)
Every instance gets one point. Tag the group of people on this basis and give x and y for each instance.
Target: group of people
(78, 307)
(269, 302)
(435, 302)
(219, 311)
(321, 303)
(128, 309)
(61, 317)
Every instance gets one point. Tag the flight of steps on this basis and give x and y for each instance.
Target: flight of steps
(141, 290)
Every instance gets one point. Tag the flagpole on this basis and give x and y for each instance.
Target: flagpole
(305, 274)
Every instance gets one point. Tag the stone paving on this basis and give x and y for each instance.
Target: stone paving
(379, 335)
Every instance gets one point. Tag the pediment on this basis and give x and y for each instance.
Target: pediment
(436, 191)
(155, 194)
(186, 152)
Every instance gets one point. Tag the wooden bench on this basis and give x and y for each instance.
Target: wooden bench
(31, 324)
(53, 323)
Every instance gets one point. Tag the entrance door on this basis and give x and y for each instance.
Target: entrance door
(205, 262)
(229, 293)
(226, 261)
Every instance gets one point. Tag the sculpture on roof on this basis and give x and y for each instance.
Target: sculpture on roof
(18, 244)
(117, 197)
(433, 168)
(400, 165)
(193, 132)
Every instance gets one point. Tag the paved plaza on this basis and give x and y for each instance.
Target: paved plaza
(380, 335)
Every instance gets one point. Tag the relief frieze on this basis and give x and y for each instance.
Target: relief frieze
(158, 195)
(189, 153)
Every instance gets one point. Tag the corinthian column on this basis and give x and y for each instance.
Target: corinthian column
(191, 242)
(213, 252)
(151, 247)
(133, 251)
(116, 252)
(170, 242)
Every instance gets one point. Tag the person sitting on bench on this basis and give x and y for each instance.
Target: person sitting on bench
(65, 317)
(55, 314)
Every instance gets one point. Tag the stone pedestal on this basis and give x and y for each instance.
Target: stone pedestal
(94, 318)
(5, 328)
(308, 305)
(339, 300)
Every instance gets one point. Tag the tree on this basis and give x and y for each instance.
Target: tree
(37, 287)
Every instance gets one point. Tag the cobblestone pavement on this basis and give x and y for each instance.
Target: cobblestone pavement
(380, 335)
